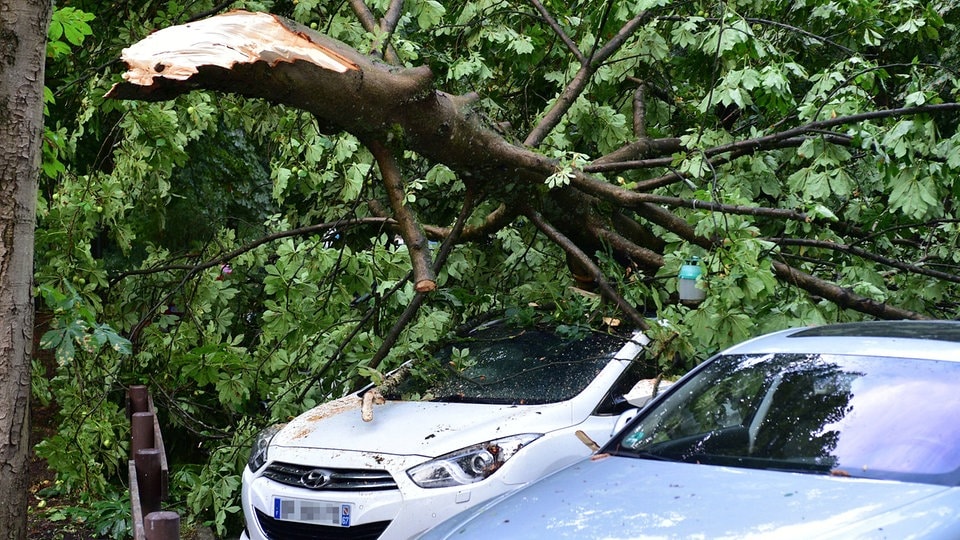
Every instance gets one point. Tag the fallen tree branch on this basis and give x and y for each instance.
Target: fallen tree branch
(424, 279)
(411, 310)
(584, 261)
(845, 298)
(264, 56)
(864, 254)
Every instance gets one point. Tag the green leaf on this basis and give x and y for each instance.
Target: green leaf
(914, 196)
(643, 5)
(353, 181)
(431, 13)
(521, 44)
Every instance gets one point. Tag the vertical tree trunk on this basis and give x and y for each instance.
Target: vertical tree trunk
(23, 33)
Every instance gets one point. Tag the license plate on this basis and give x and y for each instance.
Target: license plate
(320, 512)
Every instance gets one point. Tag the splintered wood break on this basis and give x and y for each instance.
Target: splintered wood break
(225, 40)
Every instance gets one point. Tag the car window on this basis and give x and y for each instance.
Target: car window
(854, 416)
(525, 366)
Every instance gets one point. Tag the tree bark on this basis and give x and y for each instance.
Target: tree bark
(23, 33)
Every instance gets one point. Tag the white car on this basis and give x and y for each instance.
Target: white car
(503, 408)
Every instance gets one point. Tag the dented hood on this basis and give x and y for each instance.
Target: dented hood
(416, 428)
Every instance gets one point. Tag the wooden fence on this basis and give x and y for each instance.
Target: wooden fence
(149, 474)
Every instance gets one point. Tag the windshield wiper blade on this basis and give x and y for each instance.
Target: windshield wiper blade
(642, 454)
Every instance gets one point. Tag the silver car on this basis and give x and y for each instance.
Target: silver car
(842, 431)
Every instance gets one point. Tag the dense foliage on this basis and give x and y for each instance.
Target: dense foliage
(223, 250)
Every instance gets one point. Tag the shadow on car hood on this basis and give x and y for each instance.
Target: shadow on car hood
(426, 429)
(634, 498)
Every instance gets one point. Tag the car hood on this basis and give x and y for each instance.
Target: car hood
(427, 429)
(617, 497)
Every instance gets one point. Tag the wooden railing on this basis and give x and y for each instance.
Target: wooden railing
(149, 474)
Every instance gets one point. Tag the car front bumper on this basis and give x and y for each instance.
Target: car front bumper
(276, 511)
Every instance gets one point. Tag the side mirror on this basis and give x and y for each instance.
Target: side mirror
(619, 405)
(642, 392)
(624, 419)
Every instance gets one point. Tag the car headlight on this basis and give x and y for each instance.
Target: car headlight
(258, 452)
(469, 465)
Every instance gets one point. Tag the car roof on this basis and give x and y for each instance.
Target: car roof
(934, 340)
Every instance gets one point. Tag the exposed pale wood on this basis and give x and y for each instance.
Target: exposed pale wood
(237, 37)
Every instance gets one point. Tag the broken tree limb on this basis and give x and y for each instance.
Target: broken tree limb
(845, 298)
(424, 278)
(264, 56)
(411, 310)
(370, 398)
(288, 63)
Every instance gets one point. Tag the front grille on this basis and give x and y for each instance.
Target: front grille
(320, 478)
(277, 529)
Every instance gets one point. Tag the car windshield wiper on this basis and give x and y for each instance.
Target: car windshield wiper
(643, 454)
(461, 398)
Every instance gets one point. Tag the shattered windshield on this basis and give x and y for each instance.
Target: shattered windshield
(847, 416)
(509, 365)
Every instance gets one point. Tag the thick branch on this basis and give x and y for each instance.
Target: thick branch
(627, 157)
(640, 112)
(424, 278)
(844, 298)
(265, 56)
(640, 255)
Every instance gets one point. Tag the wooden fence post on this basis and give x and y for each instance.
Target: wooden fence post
(141, 432)
(162, 526)
(137, 399)
(148, 471)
